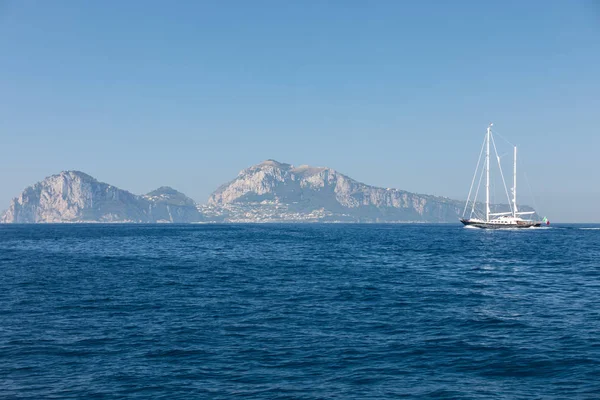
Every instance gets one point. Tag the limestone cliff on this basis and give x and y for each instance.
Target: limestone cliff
(326, 192)
(73, 196)
(267, 192)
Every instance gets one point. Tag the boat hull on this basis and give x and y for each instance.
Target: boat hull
(492, 225)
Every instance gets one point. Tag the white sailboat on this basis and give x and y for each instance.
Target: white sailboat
(496, 220)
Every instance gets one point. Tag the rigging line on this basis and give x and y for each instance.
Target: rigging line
(503, 138)
(502, 175)
(494, 196)
(477, 192)
(474, 175)
(474, 210)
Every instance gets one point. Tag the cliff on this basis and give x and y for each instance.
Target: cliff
(73, 196)
(276, 191)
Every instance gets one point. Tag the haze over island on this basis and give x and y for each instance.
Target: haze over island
(394, 94)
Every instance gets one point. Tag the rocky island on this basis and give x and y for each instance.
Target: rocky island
(274, 191)
(266, 192)
(73, 196)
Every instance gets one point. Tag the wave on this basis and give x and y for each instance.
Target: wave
(531, 228)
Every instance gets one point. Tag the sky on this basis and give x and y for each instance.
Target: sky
(142, 94)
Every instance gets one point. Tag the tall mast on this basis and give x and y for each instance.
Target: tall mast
(515, 183)
(487, 174)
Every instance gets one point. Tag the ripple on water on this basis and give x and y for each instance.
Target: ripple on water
(299, 311)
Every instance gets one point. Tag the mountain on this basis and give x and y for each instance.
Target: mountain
(168, 205)
(73, 196)
(267, 192)
(274, 191)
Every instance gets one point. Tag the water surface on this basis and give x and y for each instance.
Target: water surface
(299, 311)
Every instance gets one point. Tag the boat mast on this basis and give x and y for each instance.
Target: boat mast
(487, 175)
(515, 183)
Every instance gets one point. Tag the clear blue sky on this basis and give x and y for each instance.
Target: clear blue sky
(142, 94)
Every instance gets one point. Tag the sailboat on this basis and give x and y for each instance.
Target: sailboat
(496, 220)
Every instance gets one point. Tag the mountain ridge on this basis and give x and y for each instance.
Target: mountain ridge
(74, 196)
(306, 189)
(270, 191)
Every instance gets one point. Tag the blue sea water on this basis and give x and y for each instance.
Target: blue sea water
(299, 311)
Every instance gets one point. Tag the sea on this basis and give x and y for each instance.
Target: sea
(299, 311)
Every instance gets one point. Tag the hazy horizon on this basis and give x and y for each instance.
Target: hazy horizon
(148, 94)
